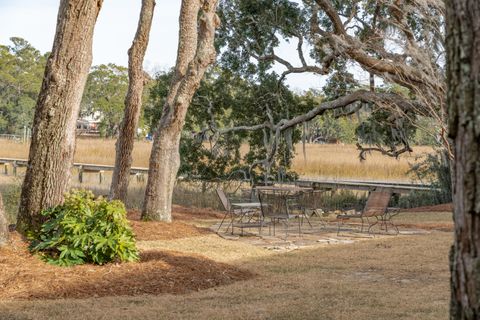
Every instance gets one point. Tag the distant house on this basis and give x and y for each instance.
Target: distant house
(89, 125)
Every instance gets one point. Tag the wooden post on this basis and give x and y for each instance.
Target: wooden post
(14, 168)
(100, 176)
(80, 174)
(6, 168)
(140, 177)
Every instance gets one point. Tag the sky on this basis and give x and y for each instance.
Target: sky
(35, 21)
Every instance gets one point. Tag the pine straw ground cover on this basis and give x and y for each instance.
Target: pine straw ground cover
(24, 276)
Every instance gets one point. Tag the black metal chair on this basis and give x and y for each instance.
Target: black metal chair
(237, 211)
(280, 205)
(312, 201)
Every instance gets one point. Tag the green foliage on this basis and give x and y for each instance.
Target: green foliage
(433, 169)
(423, 134)
(226, 100)
(104, 96)
(384, 128)
(329, 127)
(21, 74)
(255, 26)
(342, 200)
(158, 92)
(85, 230)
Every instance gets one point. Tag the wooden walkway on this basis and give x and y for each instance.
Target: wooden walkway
(11, 164)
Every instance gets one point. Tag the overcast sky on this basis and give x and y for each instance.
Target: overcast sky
(34, 20)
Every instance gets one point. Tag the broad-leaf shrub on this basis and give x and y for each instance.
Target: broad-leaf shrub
(85, 230)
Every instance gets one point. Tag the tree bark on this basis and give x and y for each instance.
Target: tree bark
(3, 224)
(463, 79)
(196, 52)
(133, 103)
(53, 135)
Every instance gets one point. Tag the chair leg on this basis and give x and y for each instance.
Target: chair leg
(308, 220)
(221, 223)
(286, 230)
(373, 224)
(300, 222)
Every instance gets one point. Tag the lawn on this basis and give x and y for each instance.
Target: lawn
(395, 277)
(188, 272)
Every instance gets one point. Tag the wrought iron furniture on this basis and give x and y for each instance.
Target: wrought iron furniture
(238, 212)
(375, 209)
(282, 204)
(312, 201)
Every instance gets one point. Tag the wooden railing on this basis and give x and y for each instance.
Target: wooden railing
(11, 165)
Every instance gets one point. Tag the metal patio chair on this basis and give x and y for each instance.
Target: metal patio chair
(312, 201)
(281, 205)
(375, 209)
(237, 212)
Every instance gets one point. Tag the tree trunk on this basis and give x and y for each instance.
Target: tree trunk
(53, 136)
(133, 103)
(463, 79)
(196, 52)
(3, 224)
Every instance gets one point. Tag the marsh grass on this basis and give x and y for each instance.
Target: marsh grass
(325, 161)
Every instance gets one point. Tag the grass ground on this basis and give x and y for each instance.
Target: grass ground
(403, 277)
(395, 277)
(326, 161)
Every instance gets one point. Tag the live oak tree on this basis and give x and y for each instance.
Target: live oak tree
(398, 43)
(196, 51)
(226, 100)
(133, 102)
(53, 139)
(463, 79)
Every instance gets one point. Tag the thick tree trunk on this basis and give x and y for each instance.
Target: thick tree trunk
(3, 224)
(53, 139)
(463, 79)
(133, 103)
(196, 52)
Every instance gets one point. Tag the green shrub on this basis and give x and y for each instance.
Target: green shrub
(432, 169)
(85, 230)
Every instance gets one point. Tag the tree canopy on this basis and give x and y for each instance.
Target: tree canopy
(21, 72)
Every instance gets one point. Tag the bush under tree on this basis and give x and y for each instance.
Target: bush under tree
(85, 230)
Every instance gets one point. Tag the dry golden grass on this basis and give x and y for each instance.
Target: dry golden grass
(340, 162)
(325, 161)
(95, 151)
(403, 277)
